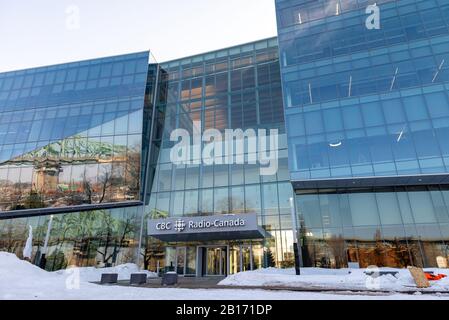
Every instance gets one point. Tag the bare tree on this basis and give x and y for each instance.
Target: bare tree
(105, 181)
(338, 249)
(88, 190)
(113, 237)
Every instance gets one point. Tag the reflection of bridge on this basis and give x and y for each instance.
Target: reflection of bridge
(73, 150)
(49, 160)
(64, 160)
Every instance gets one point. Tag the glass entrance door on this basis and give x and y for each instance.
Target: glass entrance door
(215, 261)
(180, 260)
(242, 258)
(246, 255)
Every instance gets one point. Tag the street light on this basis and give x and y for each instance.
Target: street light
(295, 237)
(43, 258)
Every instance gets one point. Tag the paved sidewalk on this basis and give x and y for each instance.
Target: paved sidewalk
(212, 283)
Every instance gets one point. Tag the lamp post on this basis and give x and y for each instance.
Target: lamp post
(295, 237)
(43, 258)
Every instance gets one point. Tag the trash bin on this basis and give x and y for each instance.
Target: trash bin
(169, 279)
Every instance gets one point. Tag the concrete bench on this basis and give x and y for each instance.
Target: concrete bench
(109, 278)
(169, 279)
(138, 279)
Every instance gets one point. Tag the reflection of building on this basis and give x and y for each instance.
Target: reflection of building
(46, 175)
(82, 145)
(364, 149)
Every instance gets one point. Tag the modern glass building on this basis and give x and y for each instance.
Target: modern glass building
(362, 121)
(84, 196)
(367, 113)
(234, 88)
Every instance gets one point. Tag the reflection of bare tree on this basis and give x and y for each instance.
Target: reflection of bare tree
(88, 190)
(105, 180)
(114, 234)
(222, 206)
(415, 251)
(31, 200)
(9, 238)
(82, 229)
(76, 238)
(337, 247)
(153, 249)
(400, 254)
(237, 205)
(378, 252)
(16, 198)
(65, 232)
(133, 172)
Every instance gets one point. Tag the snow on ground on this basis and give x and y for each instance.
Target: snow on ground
(22, 280)
(346, 279)
(92, 274)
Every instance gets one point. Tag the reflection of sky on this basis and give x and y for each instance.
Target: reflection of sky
(171, 29)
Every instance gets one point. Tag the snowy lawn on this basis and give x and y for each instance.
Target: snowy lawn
(346, 279)
(22, 280)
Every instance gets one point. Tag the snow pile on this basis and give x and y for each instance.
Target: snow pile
(13, 269)
(16, 268)
(334, 279)
(19, 277)
(92, 274)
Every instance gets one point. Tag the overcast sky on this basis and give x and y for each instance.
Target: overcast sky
(44, 32)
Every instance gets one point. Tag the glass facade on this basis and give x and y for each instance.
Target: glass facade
(361, 102)
(367, 123)
(394, 227)
(99, 238)
(235, 88)
(71, 134)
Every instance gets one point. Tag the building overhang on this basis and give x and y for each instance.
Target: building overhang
(211, 236)
(207, 228)
(367, 182)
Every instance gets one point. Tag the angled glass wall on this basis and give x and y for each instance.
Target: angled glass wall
(235, 88)
(364, 102)
(99, 238)
(71, 134)
(367, 117)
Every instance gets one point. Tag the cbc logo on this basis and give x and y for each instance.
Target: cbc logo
(179, 226)
(163, 226)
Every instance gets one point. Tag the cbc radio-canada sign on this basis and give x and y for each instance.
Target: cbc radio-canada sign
(180, 225)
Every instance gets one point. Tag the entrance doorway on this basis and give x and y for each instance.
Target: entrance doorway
(213, 261)
(219, 259)
(182, 260)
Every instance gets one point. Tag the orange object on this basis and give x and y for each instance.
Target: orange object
(433, 277)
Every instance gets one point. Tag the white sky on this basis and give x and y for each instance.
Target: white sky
(45, 32)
